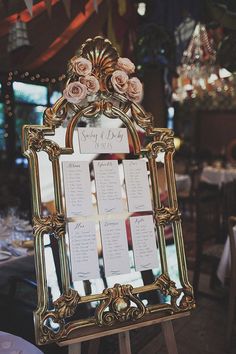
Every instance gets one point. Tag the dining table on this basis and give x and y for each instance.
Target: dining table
(218, 175)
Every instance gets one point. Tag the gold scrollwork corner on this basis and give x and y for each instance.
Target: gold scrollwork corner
(163, 142)
(51, 224)
(118, 302)
(54, 116)
(168, 288)
(143, 119)
(187, 302)
(66, 304)
(37, 142)
(166, 215)
(166, 136)
(35, 139)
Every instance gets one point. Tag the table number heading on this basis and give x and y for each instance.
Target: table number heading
(103, 140)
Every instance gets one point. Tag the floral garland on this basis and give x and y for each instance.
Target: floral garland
(88, 85)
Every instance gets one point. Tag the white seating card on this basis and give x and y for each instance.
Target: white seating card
(115, 247)
(108, 186)
(144, 242)
(78, 196)
(137, 186)
(83, 249)
(103, 140)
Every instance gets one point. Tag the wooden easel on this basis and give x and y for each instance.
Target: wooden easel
(75, 344)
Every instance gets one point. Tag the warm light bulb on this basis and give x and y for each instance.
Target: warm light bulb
(224, 73)
(212, 78)
(141, 8)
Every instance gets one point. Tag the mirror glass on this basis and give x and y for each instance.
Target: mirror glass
(133, 277)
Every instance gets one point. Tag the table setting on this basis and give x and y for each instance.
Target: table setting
(16, 237)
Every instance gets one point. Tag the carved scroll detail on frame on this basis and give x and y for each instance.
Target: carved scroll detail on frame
(53, 117)
(119, 305)
(37, 142)
(51, 224)
(65, 306)
(165, 215)
(187, 302)
(168, 288)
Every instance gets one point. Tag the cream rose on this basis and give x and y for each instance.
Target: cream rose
(135, 90)
(126, 65)
(119, 81)
(81, 66)
(75, 92)
(91, 83)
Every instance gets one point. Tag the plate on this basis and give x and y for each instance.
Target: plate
(4, 255)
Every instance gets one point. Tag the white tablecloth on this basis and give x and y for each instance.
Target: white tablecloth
(218, 176)
(10, 344)
(183, 183)
(223, 270)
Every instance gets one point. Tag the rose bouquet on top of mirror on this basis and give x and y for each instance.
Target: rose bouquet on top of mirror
(86, 83)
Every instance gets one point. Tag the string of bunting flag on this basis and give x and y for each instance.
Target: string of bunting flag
(48, 5)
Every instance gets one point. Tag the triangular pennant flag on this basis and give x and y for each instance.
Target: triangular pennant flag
(95, 5)
(5, 4)
(29, 5)
(48, 5)
(67, 5)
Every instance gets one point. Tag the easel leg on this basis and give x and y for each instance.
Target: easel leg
(124, 343)
(74, 348)
(94, 346)
(169, 335)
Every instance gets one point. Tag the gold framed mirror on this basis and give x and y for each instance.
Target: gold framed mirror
(70, 302)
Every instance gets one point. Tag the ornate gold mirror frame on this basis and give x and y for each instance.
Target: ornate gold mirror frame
(120, 304)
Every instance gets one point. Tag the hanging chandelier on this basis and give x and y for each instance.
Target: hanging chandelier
(198, 74)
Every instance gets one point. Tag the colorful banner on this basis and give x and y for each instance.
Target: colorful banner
(65, 37)
(38, 9)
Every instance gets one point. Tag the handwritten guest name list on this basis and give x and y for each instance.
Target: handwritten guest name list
(136, 180)
(108, 186)
(83, 248)
(115, 247)
(77, 188)
(103, 140)
(144, 242)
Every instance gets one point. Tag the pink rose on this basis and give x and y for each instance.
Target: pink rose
(81, 66)
(126, 65)
(119, 81)
(75, 92)
(135, 90)
(91, 83)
